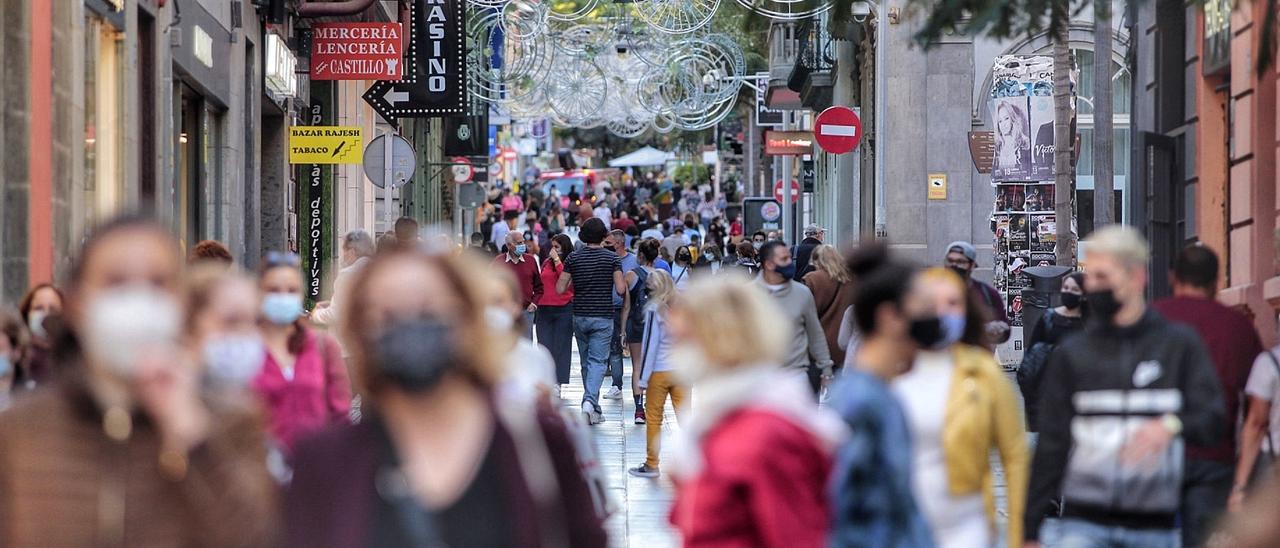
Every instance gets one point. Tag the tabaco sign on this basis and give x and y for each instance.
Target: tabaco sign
(788, 143)
(356, 51)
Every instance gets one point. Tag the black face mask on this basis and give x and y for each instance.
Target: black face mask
(926, 332)
(416, 354)
(1072, 301)
(962, 272)
(1104, 304)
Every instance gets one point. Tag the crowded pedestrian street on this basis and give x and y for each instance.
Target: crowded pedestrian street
(639, 274)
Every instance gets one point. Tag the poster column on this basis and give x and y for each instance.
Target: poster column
(315, 207)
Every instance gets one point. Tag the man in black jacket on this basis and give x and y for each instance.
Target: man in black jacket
(1117, 405)
(813, 237)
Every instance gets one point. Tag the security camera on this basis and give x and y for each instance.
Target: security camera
(861, 10)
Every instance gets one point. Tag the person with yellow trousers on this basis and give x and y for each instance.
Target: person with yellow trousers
(960, 406)
(658, 377)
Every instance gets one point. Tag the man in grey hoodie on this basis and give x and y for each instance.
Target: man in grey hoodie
(808, 350)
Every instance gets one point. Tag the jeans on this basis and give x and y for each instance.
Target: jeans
(593, 349)
(529, 319)
(661, 385)
(615, 349)
(1077, 533)
(555, 332)
(1205, 490)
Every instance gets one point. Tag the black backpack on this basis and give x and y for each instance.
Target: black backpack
(639, 298)
(1031, 370)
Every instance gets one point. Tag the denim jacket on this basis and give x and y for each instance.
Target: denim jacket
(871, 482)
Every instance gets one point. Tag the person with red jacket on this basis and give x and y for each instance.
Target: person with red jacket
(758, 451)
(524, 266)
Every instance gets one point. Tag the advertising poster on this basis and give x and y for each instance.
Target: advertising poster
(1038, 198)
(1042, 144)
(1012, 139)
(1044, 232)
(1010, 198)
(1018, 234)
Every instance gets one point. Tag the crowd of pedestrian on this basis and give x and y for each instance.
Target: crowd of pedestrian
(822, 397)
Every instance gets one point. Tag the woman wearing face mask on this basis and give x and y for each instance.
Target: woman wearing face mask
(682, 270)
(222, 327)
(554, 317)
(123, 451)
(43, 302)
(757, 452)
(1053, 327)
(959, 407)
(435, 460)
(303, 382)
(871, 484)
(13, 346)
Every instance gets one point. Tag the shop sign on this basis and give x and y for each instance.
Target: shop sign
(280, 77)
(316, 202)
(326, 144)
(356, 51)
(937, 186)
(765, 116)
(788, 143)
(435, 76)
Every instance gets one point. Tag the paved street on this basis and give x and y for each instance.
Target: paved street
(641, 505)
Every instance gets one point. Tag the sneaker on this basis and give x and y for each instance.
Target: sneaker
(592, 416)
(639, 416)
(613, 393)
(643, 471)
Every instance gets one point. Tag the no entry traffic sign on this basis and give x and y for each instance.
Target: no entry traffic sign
(795, 191)
(463, 171)
(838, 130)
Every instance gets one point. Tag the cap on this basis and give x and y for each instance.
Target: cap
(813, 230)
(963, 248)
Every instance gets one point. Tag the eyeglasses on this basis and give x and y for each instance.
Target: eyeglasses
(282, 258)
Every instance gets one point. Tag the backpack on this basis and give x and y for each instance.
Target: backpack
(639, 298)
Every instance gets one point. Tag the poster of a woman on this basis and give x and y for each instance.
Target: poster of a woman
(1012, 136)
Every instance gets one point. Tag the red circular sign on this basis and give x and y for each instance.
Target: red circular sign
(837, 130)
(462, 170)
(795, 191)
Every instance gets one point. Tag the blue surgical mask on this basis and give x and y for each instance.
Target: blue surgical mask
(281, 308)
(233, 360)
(787, 272)
(6, 366)
(520, 249)
(952, 329)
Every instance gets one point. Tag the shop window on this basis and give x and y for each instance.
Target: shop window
(103, 107)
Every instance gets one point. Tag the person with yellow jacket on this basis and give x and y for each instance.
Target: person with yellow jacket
(959, 407)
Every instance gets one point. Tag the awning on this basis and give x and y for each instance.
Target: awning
(645, 157)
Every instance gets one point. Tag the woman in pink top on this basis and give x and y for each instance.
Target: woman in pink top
(554, 316)
(303, 383)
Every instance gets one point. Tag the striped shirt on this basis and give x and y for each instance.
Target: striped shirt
(591, 269)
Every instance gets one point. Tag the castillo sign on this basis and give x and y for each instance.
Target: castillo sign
(356, 51)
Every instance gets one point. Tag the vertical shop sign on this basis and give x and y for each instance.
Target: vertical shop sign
(316, 220)
(435, 76)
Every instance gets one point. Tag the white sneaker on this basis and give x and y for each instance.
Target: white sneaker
(590, 413)
(613, 393)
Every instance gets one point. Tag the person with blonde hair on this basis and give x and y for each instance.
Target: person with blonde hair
(832, 287)
(1118, 404)
(757, 450)
(960, 407)
(657, 372)
(435, 460)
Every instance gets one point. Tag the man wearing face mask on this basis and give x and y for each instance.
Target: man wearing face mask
(807, 352)
(1117, 405)
(526, 269)
(962, 258)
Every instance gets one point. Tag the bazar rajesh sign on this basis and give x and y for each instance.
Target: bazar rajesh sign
(356, 51)
(326, 144)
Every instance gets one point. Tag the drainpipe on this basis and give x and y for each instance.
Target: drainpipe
(314, 8)
(882, 95)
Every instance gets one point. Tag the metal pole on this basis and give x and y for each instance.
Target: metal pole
(388, 183)
(787, 212)
(751, 150)
(882, 94)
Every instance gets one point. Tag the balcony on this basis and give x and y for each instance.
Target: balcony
(812, 76)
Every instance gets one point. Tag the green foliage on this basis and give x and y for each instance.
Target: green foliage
(694, 173)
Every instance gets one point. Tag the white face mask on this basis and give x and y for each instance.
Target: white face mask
(499, 319)
(233, 360)
(35, 321)
(690, 363)
(125, 325)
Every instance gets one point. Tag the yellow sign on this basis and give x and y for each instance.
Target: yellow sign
(326, 145)
(937, 186)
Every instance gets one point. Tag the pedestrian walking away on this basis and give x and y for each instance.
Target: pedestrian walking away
(832, 287)
(657, 374)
